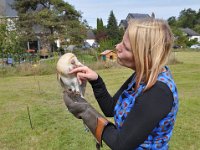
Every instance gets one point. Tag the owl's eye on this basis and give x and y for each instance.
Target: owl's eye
(72, 61)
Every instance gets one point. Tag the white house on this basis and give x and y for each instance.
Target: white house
(90, 39)
(191, 34)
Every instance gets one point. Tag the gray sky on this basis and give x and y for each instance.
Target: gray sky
(163, 9)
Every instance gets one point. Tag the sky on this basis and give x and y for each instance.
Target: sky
(163, 9)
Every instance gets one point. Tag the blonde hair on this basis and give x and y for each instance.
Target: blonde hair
(151, 41)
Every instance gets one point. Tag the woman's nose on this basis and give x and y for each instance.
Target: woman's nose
(118, 47)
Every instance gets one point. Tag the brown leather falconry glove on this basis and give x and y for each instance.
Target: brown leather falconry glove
(81, 109)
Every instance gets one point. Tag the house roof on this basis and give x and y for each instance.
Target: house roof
(137, 16)
(106, 52)
(189, 32)
(6, 10)
(124, 22)
(90, 34)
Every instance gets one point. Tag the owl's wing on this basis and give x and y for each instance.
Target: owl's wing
(60, 80)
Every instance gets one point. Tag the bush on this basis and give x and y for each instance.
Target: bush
(27, 69)
(105, 45)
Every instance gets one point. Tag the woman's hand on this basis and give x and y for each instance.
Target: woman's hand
(84, 73)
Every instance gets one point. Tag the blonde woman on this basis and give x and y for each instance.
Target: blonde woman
(145, 107)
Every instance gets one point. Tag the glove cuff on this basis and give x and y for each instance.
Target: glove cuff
(101, 123)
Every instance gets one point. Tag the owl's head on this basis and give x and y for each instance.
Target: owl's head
(66, 63)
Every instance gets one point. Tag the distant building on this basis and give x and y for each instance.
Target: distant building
(191, 34)
(7, 14)
(124, 23)
(6, 10)
(90, 38)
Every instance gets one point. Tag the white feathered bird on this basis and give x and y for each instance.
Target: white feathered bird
(65, 64)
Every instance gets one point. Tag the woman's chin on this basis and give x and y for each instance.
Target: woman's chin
(119, 62)
(125, 64)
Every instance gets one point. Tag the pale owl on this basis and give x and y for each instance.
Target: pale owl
(65, 64)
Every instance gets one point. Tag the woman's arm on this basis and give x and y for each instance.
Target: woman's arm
(105, 100)
(148, 110)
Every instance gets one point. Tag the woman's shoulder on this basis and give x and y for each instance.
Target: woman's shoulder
(158, 92)
(161, 89)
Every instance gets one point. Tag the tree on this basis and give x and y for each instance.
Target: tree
(198, 16)
(10, 45)
(172, 21)
(112, 29)
(197, 28)
(49, 19)
(85, 23)
(2, 38)
(187, 18)
(100, 25)
(197, 25)
(100, 31)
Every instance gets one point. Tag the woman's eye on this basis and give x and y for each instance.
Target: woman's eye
(126, 47)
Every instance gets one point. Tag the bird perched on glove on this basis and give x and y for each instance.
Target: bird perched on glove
(72, 75)
(69, 81)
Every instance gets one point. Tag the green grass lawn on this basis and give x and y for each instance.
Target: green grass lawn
(55, 128)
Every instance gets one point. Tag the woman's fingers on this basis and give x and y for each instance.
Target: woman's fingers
(81, 77)
(79, 69)
(84, 73)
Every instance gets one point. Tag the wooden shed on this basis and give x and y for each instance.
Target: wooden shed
(108, 55)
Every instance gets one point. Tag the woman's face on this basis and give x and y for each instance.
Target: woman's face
(124, 52)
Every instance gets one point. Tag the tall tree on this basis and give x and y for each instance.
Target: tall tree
(112, 28)
(100, 25)
(50, 19)
(101, 30)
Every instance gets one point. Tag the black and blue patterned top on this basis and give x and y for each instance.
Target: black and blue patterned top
(159, 137)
